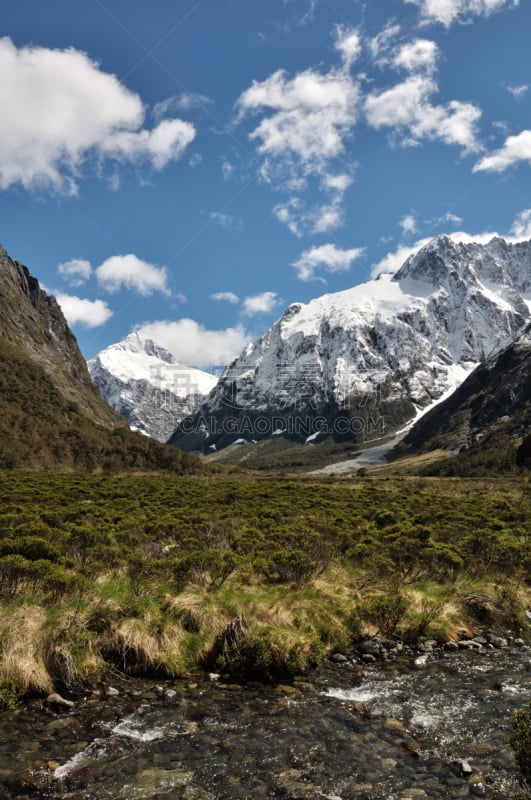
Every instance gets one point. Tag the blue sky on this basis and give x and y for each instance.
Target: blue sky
(194, 166)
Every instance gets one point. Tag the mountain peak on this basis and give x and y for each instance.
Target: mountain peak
(378, 351)
(147, 385)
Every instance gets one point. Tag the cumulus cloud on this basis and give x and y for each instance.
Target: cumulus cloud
(228, 297)
(327, 257)
(167, 142)
(300, 219)
(515, 149)
(90, 313)
(421, 54)
(76, 271)
(407, 109)
(521, 228)
(408, 224)
(63, 108)
(192, 343)
(348, 43)
(305, 120)
(447, 12)
(130, 272)
(263, 303)
(518, 92)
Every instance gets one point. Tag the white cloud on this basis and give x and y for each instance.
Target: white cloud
(191, 343)
(225, 220)
(521, 228)
(76, 271)
(407, 109)
(305, 120)
(320, 218)
(262, 303)
(90, 313)
(408, 224)
(130, 272)
(448, 11)
(394, 259)
(337, 183)
(421, 54)
(348, 44)
(63, 108)
(317, 219)
(290, 215)
(167, 142)
(229, 297)
(187, 101)
(195, 159)
(449, 217)
(328, 257)
(380, 44)
(226, 170)
(518, 92)
(515, 149)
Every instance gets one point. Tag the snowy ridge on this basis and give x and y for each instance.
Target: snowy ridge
(402, 339)
(148, 386)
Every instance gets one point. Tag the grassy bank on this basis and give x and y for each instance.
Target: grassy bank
(144, 574)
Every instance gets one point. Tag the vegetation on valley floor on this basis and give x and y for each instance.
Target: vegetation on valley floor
(521, 744)
(144, 573)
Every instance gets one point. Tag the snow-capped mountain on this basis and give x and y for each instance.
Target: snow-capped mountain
(148, 386)
(361, 361)
(497, 393)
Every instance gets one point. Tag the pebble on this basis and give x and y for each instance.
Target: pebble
(339, 658)
(371, 647)
(110, 691)
(462, 767)
(55, 699)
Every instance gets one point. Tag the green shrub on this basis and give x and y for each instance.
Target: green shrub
(291, 566)
(386, 611)
(521, 744)
(272, 654)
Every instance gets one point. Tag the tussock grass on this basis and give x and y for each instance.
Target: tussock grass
(22, 652)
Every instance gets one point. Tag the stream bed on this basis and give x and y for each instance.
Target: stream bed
(398, 731)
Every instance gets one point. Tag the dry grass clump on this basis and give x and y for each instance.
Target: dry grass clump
(23, 639)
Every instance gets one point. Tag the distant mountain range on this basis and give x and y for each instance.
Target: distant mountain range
(359, 363)
(148, 386)
(454, 320)
(51, 414)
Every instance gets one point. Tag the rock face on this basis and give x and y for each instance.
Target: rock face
(356, 363)
(148, 386)
(497, 393)
(32, 323)
(52, 416)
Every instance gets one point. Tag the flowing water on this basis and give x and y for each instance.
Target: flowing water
(394, 733)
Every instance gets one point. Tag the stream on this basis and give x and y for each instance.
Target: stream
(396, 732)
